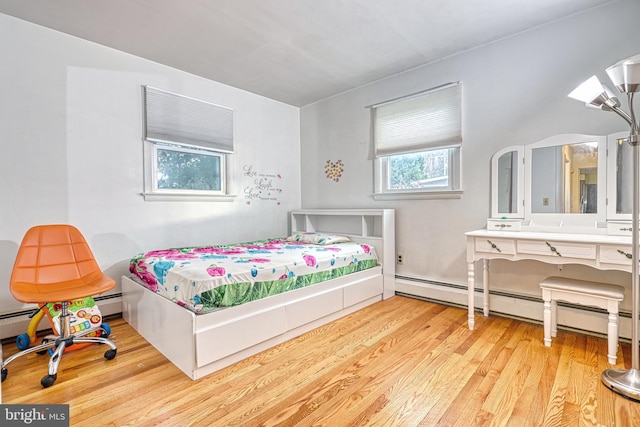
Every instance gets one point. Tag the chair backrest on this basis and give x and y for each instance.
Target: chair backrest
(50, 256)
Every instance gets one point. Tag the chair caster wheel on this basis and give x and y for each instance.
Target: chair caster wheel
(48, 380)
(4, 374)
(110, 354)
(41, 352)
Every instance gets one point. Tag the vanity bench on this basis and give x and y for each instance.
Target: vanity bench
(601, 295)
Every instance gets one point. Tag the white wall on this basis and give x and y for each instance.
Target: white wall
(514, 92)
(70, 129)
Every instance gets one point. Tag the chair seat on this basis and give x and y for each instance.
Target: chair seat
(66, 291)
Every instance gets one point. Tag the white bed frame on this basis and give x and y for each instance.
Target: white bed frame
(202, 344)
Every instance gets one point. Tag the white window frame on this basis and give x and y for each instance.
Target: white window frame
(153, 193)
(450, 191)
(453, 143)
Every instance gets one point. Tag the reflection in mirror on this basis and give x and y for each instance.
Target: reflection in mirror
(624, 177)
(564, 178)
(507, 183)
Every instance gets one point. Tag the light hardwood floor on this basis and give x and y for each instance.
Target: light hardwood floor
(400, 362)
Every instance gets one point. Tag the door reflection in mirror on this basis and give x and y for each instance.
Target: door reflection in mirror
(564, 178)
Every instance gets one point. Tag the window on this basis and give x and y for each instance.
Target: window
(186, 170)
(419, 170)
(417, 142)
(188, 145)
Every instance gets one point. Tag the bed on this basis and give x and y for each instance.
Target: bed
(207, 307)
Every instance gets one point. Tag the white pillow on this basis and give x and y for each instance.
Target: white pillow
(318, 238)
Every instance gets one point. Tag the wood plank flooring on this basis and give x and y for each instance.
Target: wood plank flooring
(400, 362)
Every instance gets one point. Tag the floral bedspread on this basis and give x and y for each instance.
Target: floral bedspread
(207, 277)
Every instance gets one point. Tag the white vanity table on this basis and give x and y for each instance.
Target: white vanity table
(600, 251)
(571, 207)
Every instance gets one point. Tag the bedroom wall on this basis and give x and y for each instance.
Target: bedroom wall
(514, 92)
(71, 126)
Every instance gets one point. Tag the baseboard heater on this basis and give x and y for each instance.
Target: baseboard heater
(15, 323)
(455, 295)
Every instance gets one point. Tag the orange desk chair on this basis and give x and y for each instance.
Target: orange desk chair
(54, 264)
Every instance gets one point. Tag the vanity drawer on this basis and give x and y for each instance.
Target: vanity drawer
(559, 249)
(615, 228)
(504, 224)
(495, 246)
(615, 254)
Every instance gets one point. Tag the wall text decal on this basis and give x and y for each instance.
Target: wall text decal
(261, 186)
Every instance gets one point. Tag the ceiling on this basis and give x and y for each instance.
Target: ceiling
(294, 51)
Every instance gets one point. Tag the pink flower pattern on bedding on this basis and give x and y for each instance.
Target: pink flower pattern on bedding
(183, 274)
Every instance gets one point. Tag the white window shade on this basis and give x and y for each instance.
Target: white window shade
(428, 120)
(179, 119)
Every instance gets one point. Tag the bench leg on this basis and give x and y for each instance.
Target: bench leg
(547, 321)
(554, 318)
(612, 336)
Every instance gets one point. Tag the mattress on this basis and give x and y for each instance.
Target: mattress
(206, 278)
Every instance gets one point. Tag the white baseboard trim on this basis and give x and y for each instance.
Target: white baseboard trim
(570, 316)
(525, 307)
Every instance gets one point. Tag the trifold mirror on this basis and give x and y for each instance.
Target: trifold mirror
(568, 183)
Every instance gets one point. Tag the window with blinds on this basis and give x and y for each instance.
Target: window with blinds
(187, 145)
(417, 140)
(178, 119)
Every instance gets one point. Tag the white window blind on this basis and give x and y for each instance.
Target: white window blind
(178, 119)
(424, 121)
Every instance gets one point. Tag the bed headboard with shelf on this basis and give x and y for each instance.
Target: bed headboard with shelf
(374, 227)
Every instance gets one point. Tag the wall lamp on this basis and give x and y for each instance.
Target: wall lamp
(625, 75)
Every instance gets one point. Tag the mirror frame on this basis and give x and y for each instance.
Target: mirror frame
(612, 170)
(519, 213)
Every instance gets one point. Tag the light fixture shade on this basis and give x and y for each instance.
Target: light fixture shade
(607, 105)
(594, 94)
(625, 74)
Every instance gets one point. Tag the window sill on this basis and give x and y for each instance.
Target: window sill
(418, 195)
(159, 197)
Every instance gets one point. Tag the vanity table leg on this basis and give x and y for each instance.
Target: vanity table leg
(485, 287)
(470, 292)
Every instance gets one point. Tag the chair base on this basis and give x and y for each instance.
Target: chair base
(56, 345)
